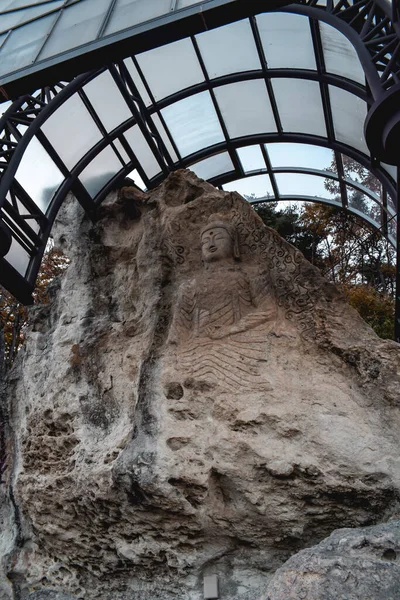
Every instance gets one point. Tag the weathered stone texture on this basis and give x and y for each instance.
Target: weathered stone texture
(174, 418)
(351, 564)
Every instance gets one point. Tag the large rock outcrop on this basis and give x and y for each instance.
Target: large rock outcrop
(351, 564)
(195, 400)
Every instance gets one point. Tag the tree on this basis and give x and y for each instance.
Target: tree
(349, 251)
(14, 315)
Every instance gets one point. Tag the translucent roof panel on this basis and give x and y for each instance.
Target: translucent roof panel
(54, 31)
(229, 49)
(20, 48)
(127, 13)
(184, 3)
(306, 113)
(72, 130)
(170, 68)
(110, 106)
(296, 184)
(163, 134)
(137, 80)
(300, 155)
(77, 25)
(339, 54)
(100, 170)
(348, 113)
(10, 20)
(142, 150)
(369, 181)
(251, 158)
(213, 166)
(193, 123)
(123, 153)
(41, 189)
(14, 4)
(258, 186)
(18, 257)
(363, 204)
(245, 108)
(286, 40)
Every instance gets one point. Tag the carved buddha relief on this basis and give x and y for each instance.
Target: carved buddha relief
(224, 314)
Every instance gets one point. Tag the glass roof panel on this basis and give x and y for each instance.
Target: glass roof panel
(256, 186)
(3, 37)
(107, 100)
(286, 39)
(299, 184)
(163, 134)
(24, 43)
(71, 130)
(77, 25)
(245, 108)
(251, 158)
(18, 257)
(361, 202)
(100, 170)
(183, 3)
(122, 151)
(15, 4)
(229, 49)
(193, 123)
(127, 13)
(300, 155)
(361, 175)
(170, 68)
(142, 151)
(213, 166)
(137, 80)
(340, 55)
(11, 19)
(36, 160)
(348, 113)
(306, 114)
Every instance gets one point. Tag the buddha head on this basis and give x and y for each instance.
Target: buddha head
(219, 240)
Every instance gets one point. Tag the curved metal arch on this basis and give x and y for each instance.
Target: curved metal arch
(28, 106)
(324, 201)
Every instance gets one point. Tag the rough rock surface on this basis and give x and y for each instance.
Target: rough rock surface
(176, 414)
(351, 564)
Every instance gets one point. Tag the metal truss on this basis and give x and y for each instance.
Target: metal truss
(368, 24)
(376, 31)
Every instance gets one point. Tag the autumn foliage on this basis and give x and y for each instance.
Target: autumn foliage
(349, 252)
(14, 315)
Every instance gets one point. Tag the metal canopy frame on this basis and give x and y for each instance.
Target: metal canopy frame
(26, 222)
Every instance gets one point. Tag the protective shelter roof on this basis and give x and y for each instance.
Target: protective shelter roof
(272, 101)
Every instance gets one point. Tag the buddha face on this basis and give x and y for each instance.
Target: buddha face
(216, 244)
